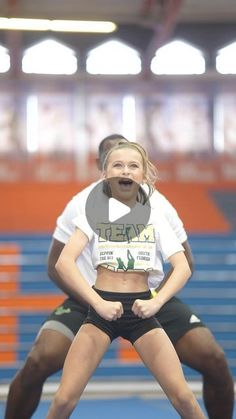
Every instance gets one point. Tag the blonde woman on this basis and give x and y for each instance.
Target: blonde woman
(120, 303)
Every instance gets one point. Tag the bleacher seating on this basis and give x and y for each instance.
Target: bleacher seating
(27, 295)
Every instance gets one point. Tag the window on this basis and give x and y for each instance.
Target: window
(49, 57)
(4, 60)
(178, 57)
(113, 57)
(225, 59)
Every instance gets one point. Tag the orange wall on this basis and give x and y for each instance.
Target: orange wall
(195, 206)
(33, 207)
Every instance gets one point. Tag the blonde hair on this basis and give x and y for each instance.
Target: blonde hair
(150, 171)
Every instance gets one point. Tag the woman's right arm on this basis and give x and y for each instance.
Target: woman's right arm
(69, 272)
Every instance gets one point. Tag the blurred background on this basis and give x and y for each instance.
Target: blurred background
(160, 72)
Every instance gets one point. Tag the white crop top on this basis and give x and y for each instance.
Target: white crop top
(143, 253)
(65, 228)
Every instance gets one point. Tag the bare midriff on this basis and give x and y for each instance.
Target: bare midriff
(108, 280)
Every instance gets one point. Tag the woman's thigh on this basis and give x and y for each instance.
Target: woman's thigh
(84, 356)
(160, 357)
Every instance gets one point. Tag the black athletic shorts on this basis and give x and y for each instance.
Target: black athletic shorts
(175, 317)
(129, 326)
(66, 318)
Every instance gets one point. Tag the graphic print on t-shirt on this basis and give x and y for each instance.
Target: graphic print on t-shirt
(137, 253)
(124, 227)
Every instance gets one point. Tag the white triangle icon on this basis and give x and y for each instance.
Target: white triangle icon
(194, 319)
(117, 210)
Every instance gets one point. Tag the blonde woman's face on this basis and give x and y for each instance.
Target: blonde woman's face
(126, 167)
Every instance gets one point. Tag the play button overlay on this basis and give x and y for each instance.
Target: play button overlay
(114, 220)
(117, 209)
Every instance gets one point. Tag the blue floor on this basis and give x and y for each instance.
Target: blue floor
(115, 409)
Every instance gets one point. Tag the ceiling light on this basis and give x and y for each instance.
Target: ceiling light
(24, 24)
(56, 25)
(82, 26)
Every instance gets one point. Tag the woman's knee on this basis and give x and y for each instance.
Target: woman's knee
(64, 403)
(184, 401)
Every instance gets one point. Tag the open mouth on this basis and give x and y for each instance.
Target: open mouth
(125, 182)
(122, 186)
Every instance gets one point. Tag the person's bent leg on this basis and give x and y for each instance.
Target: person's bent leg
(198, 349)
(158, 354)
(45, 358)
(84, 355)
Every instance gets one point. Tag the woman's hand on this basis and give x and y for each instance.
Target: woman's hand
(109, 310)
(146, 308)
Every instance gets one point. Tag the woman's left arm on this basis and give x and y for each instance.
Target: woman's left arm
(178, 278)
(180, 274)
